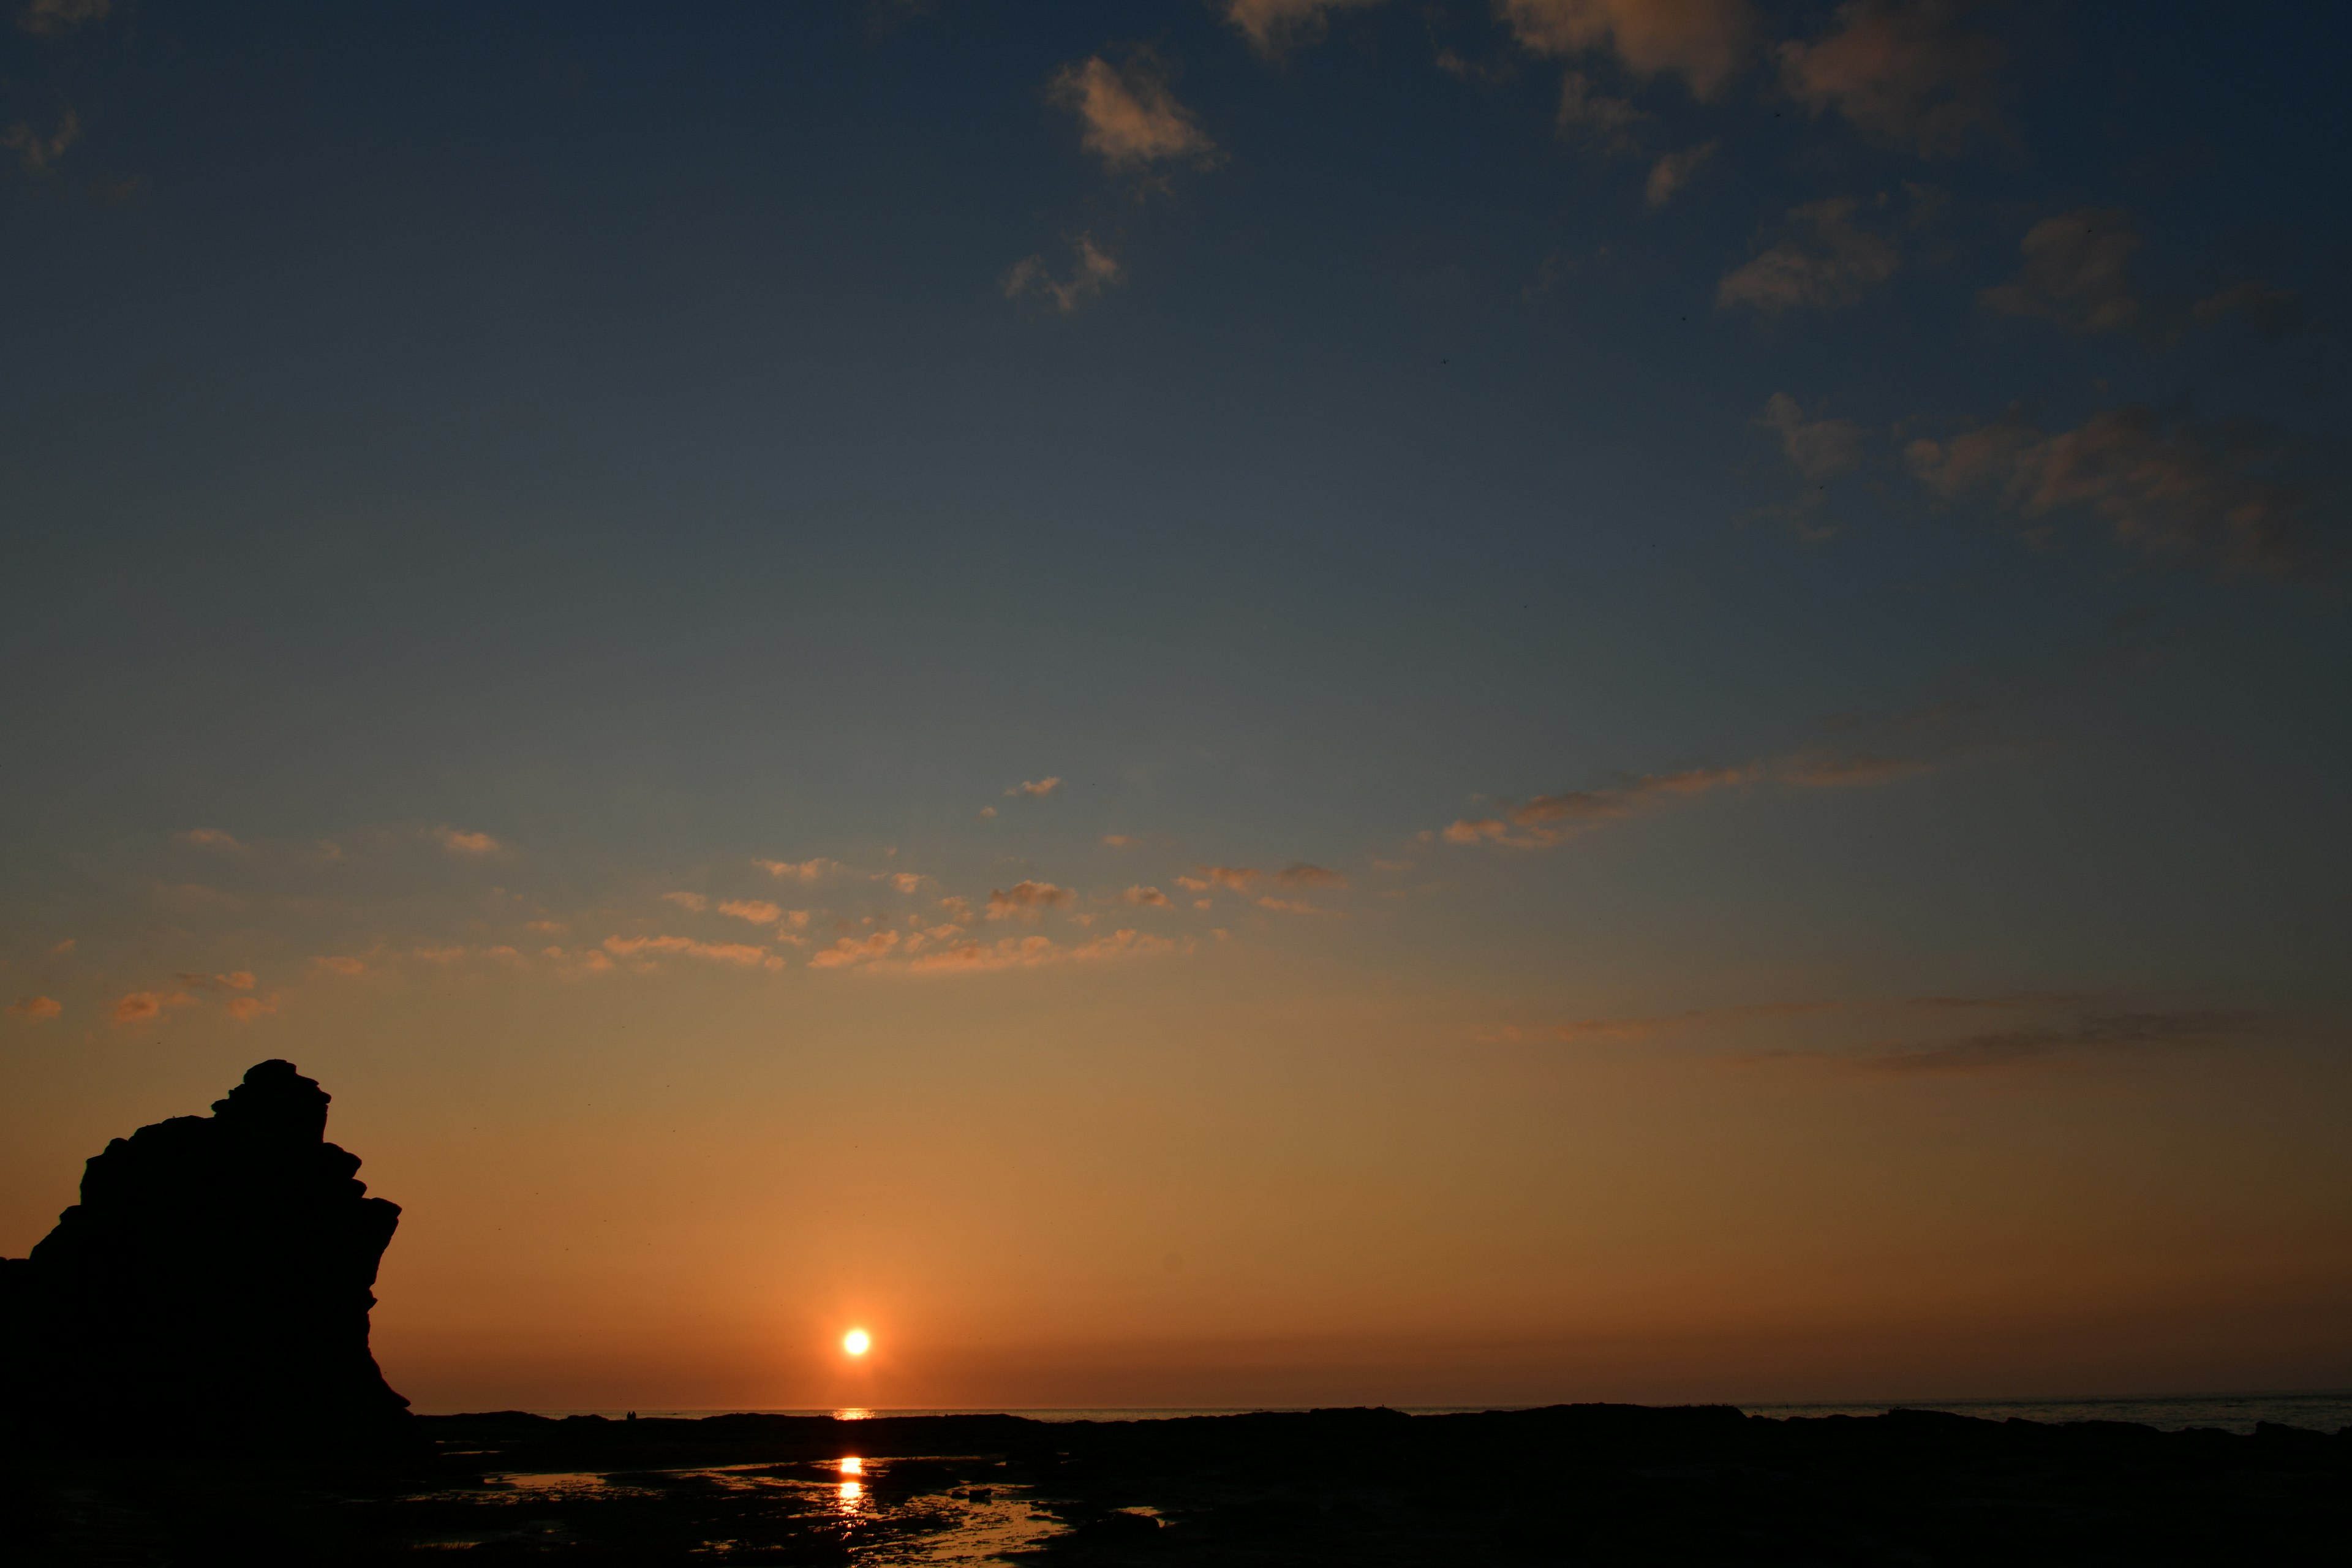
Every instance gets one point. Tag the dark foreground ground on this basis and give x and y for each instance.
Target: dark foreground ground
(1573, 1484)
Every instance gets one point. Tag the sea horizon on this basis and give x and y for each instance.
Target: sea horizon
(2325, 1410)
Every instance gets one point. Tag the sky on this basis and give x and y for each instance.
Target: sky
(1208, 702)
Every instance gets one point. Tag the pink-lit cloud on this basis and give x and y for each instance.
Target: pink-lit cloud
(694, 901)
(469, 846)
(799, 871)
(1822, 257)
(736, 954)
(339, 963)
(759, 911)
(1274, 26)
(1035, 788)
(140, 1007)
(849, 951)
(1150, 898)
(1128, 117)
(1024, 899)
(1703, 42)
(1919, 73)
(36, 1009)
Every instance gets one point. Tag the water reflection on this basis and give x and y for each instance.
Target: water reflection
(850, 1495)
(852, 1413)
(852, 1465)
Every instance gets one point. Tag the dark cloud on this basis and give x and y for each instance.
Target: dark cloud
(1824, 256)
(2112, 1033)
(1926, 74)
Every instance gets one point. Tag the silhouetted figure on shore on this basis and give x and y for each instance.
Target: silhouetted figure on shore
(215, 1279)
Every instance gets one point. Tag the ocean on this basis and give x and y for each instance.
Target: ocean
(2321, 1412)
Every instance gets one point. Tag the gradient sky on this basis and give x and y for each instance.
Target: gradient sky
(1269, 700)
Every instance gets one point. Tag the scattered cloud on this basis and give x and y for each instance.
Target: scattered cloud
(1704, 42)
(854, 950)
(1823, 259)
(1127, 115)
(1299, 874)
(36, 151)
(694, 901)
(1118, 841)
(1273, 27)
(1036, 951)
(209, 838)
(1603, 123)
(238, 980)
(2076, 272)
(1817, 450)
(1286, 906)
(2000, 1049)
(245, 1009)
(1380, 865)
(1151, 897)
(2166, 484)
(800, 870)
(48, 19)
(1672, 172)
(1093, 272)
(986, 811)
(472, 846)
(759, 911)
(1548, 819)
(36, 1008)
(908, 881)
(1024, 899)
(339, 963)
(735, 953)
(1035, 788)
(141, 1006)
(1913, 72)
(1586, 1030)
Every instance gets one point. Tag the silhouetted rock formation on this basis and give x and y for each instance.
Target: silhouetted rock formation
(215, 1278)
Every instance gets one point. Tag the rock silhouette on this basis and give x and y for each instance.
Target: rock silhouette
(216, 1278)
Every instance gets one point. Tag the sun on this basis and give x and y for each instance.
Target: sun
(856, 1341)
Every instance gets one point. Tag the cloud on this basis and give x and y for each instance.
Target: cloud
(473, 846)
(799, 871)
(339, 963)
(1237, 877)
(48, 19)
(1641, 1028)
(852, 949)
(2168, 485)
(245, 1009)
(1035, 951)
(36, 1008)
(735, 953)
(1604, 123)
(694, 901)
(443, 955)
(1286, 906)
(908, 881)
(36, 151)
(1094, 271)
(1818, 449)
(2003, 1049)
(1704, 42)
(1128, 117)
(1024, 899)
(209, 838)
(141, 1006)
(1149, 897)
(1672, 171)
(988, 810)
(63, 947)
(1823, 260)
(759, 911)
(2076, 272)
(1299, 874)
(1548, 819)
(238, 980)
(1118, 841)
(1906, 71)
(1036, 788)
(1274, 26)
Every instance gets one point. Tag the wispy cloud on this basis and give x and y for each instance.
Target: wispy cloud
(2076, 272)
(1704, 42)
(854, 950)
(36, 151)
(1035, 788)
(1921, 73)
(1549, 819)
(739, 955)
(37, 1009)
(1118, 841)
(759, 911)
(800, 870)
(468, 845)
(140, 1007)
(236, 980)
(2167, 484)
(1273, 27)
(1128, 116)
(1817, 450)
(48, 19)
(1036, 951)
(339, 963)
(209, 838)
(1823, 259)
(1024, 899)
(1299, 874)
(245, 1009)
(1093, 269)
(1672, 172)
(2095, 1034)
(1150, 898)
(694, 901)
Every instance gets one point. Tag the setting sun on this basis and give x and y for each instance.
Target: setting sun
(855, 1341)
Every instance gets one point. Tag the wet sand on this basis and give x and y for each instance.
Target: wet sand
(1579, 1484)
